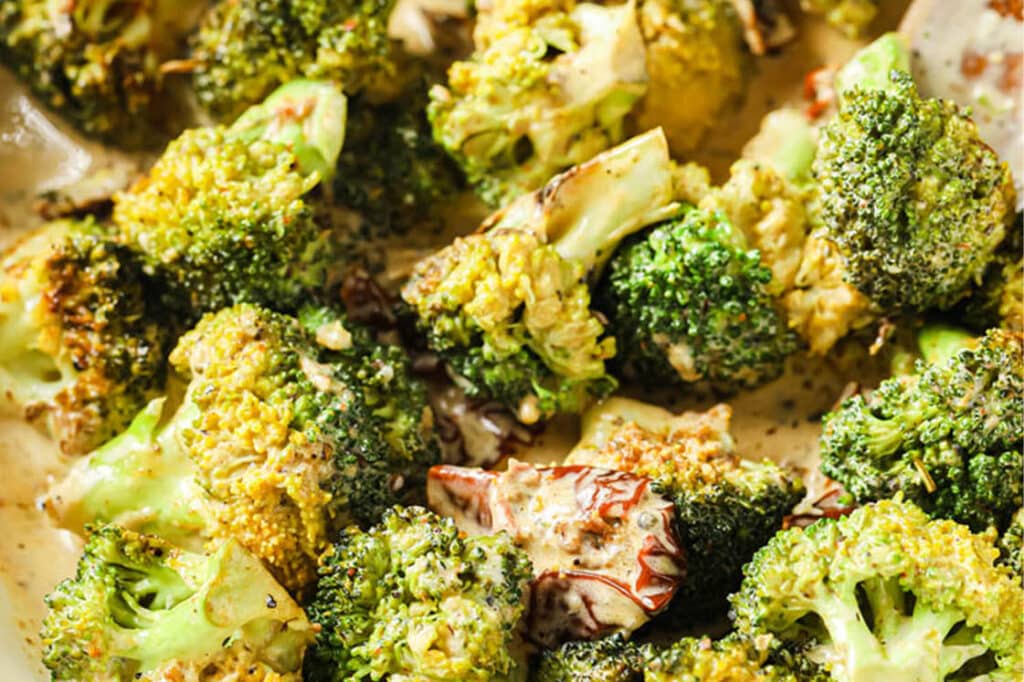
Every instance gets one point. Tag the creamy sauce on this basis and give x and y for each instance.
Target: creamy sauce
(37, 153)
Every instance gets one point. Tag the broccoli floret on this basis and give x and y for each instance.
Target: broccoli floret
(508, 308)
(696, 64)
(886, 593)
(140, 609)
(688, 301)
(100, 63)
(82, 343)
(950, 437)
(909, 193)
(611, 659)
(245, 49)
(411, 599)
(286, 433)
(732, 659)
(391, 170)
(999, 301)
(226, 215)
(1011, 542)
(548, 86)
(726, 507)
(852, 17)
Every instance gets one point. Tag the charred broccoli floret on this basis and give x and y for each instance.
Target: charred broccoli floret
(688, 302)
(1011, 542)
(548, 87)
(852, 17)
(285, 434)
(949, 437)
(908, 192)
(611, 659)
(140, 609)
(100, 63)
(886, 593)
(226, 215)
(508, 308)
(82, 345)
(695, 64)
(391, 170)
(411, 599)
(726, 507)
(245, 49)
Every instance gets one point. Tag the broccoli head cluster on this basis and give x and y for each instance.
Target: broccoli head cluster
(949, 437)
(689, 302)
(413, 599)
(245, 49)
(886, 593)
(141, 609)
(99, 63)
(82, 343)
(286, 433)
(852, 17)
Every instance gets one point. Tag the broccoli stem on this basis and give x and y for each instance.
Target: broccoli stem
(869, 69)
(308, 116)
(939, 342)
(787, 143)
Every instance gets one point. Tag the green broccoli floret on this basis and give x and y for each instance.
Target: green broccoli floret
(1011, 542)
(391, 170)
(411, 599)
(548, 86)
(226, 215)
(732, 659)
(245, 49)
(508, 308)
(100, 63)
(726, 507)
(887, 594)
(912, 197)
(286, 433)
(688, 302)
(140, 609)
(949, 437)
(611, 659)
(999, 301)
(852, 17)
(82, 343)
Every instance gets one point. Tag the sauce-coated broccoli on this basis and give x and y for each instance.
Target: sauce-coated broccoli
(886, 593)
(82, 343)
(141, 609)
(411, 599)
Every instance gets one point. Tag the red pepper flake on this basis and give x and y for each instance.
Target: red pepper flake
(1013, 72)
(1008, 8)
(350, 24)
(973, 64)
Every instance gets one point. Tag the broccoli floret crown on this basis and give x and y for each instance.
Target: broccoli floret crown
(733, 659)
(949, 437)
(886, 593)
(139, 609)
(688, 302)
(914, 199)
(410, 598)
(246, 48)
(610, 659)
(1011, 543)
(82, 343)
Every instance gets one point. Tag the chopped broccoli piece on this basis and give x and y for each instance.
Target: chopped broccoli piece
(611, 659)
(411, 599)
(245, 49)
(733, 659)
(140, 609)
(82, 344)
(508, 308)
(100, 63)
(940, 343)
(688, 302)
(286, 433)
(391, 170)
(548, 87)
(852, 17)
(886, 593)
(226, 216)
(999, 301)
(696, 64)
(1011, 542)
(950, 437)
(910, 194)
(726, 507)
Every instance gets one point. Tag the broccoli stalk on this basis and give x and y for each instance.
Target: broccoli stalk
(228, 215)
(886, 593)
(139, 609)
(508, 308)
